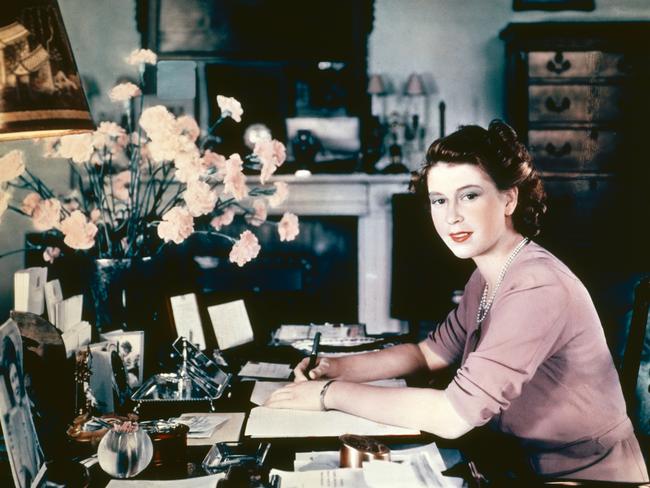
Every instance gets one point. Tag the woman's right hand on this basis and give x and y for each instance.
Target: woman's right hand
(325, 368)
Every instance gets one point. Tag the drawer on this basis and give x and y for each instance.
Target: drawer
(572, 64)
(574, 103)
(574, 150)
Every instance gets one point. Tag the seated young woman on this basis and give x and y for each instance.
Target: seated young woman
(528, 344)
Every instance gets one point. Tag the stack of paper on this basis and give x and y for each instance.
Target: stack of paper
(201, 426)
(289, 333)
(266, 370)
(228, 428)
(420, 467)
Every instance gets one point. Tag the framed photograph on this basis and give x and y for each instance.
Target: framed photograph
(130, 348)
(21, 441)
(586, 5)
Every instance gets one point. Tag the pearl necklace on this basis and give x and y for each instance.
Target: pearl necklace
(485, 304)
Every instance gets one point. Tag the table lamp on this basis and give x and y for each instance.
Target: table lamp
(40, 88)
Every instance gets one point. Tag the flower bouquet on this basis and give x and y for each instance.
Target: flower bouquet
(148, 184)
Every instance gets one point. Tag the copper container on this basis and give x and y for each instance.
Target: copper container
(356, 449)
(169, 441)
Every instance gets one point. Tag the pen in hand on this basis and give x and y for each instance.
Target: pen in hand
(313, 356)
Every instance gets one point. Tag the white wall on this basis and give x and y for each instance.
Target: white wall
(454, 42)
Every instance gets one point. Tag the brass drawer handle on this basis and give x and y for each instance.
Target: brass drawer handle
(558, 153)
(554, 107)
(558, 64)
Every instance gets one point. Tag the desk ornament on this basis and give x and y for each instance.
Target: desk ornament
(357, 449)
(169, 441)
(198, 378)
(125, 451)
(224, 455)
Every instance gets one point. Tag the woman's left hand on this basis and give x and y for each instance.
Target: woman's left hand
(301, 396)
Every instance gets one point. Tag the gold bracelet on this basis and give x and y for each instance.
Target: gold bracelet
(322, 395)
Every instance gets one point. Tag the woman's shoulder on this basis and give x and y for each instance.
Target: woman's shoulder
(537, 267)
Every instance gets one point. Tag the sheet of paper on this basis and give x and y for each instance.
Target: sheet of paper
(202, 426)
(228, 431)
(67, 312)
(28, 290)
(202, 482)
(231, 324)
(263, 389)
(328, 478)
(53, 295)
(267, 422)
(316, 460)
(188, 319)
(266, 370)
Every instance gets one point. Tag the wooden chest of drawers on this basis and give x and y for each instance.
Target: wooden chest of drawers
(578, 94)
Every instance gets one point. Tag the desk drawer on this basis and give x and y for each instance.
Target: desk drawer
(574, 103)
(574, 150)
(571, 64)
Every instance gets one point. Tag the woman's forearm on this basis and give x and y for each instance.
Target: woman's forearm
(416, 408)
(396, 361)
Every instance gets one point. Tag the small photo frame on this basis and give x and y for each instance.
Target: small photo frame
(130, 348)
(553, 5)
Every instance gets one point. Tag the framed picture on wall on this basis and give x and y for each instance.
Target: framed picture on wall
(586, 5)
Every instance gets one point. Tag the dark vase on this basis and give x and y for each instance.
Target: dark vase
(109, 281)
(124, 293)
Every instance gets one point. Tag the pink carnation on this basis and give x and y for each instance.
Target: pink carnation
(234, 180)
(158, 123)
(188, 126)
(199, 198)
(78, 231)
(121, 184)
(30, 202)
(95, 215)
(230, 107)
(5, 197)
(224, 219)
(47, 214)
(280, 195)
(142, 56)
(177, 225)
(50, 254)
(213, 160)
(124, 92)
(245, 249)
(51, 147)
(260, 214)
(288, 227)
(271, 154)
(12, 165)
(78, 147)
(111, 136)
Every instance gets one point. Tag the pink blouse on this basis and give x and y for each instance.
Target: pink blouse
(539, 367)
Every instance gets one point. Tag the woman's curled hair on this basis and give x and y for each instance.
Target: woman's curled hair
(500, 154)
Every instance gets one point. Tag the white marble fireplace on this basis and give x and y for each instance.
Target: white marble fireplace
(367, 197)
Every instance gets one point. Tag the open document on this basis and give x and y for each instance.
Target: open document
(265, 422)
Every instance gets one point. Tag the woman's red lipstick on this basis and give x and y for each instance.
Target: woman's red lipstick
(460, 236)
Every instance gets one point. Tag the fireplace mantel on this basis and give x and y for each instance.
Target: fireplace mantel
(367, 197)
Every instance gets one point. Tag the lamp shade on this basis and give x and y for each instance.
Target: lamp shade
(414, 85)
(40, 88)
(376, 85)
